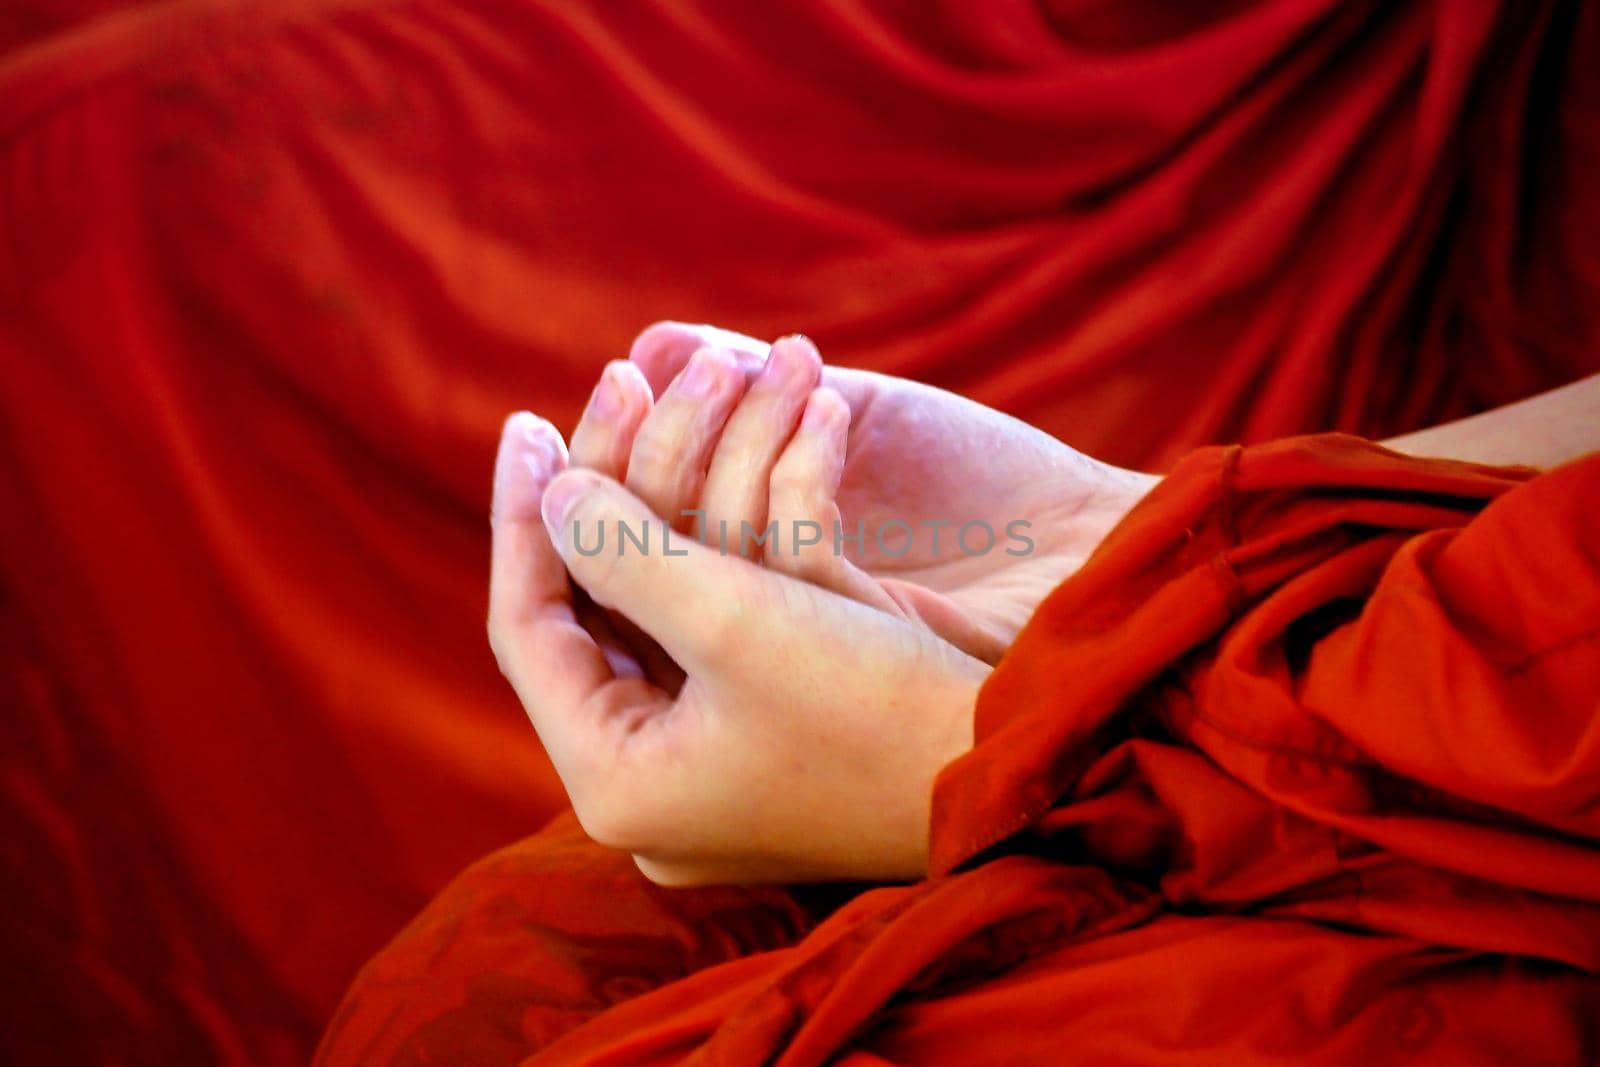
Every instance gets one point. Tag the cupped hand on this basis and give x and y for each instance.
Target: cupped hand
(799, 738)
(971, 517)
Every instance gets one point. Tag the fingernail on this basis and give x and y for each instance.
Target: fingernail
(703, 374)
(525, 463)
(532, 428)
(789, 358)
(559, 497)
(607, 398)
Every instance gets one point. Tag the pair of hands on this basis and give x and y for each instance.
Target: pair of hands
(777, 713)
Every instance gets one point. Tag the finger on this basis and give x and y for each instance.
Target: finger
(736, 487)
(528, 590)
(803, 486)
(602, 441)
(673, 447)
(621, 554)
(664, 349)
(805, 483)
(559, 671)
(606, 431)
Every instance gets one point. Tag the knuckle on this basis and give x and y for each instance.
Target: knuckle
(657, 453)
(734, 490)
(664, 482)
(746, 436)
(735, 471)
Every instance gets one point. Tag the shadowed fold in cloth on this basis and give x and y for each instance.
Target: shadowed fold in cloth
(1303, 766)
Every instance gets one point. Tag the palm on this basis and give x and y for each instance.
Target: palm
(922, 456)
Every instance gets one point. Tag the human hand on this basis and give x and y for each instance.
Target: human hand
(800, 740)
(916, 457)
(754, 460)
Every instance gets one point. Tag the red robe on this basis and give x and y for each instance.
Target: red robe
(272, 273)
(1302, 767)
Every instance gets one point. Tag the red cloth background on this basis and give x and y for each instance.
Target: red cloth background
(272, 273)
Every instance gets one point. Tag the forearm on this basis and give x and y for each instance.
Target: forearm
(1542, 431)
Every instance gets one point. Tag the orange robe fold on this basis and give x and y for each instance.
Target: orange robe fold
(1301, 767)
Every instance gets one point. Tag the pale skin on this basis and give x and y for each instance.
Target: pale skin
(782, 717)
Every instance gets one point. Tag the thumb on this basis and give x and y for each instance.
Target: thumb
(629, 560)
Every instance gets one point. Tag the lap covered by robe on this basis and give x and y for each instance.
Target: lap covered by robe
(1302, 767)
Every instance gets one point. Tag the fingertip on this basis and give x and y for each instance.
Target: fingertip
(661, 350)
(710, 371)
(606, 401)
(751, 361)
(793, 363)
(531, 453)
(621, 394)
(630, 381)
(800, 344)
(657, 337)
(524, 426)
(620, 403)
